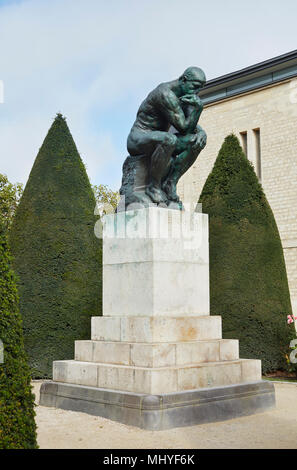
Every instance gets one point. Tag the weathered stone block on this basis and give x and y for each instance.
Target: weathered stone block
(156, 354)
(156, 329)
(151, 263)
(154, 380)
(80, 373)
(153, 355)
(106, 328)
(163, 411)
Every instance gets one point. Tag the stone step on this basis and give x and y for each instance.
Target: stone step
(156, 354)
(156, 329)
(157, 380)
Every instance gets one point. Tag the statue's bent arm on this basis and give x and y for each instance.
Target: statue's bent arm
(173, 111)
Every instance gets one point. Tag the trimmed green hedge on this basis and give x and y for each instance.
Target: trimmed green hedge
(17, 425)
(56, 254)
(248, 280)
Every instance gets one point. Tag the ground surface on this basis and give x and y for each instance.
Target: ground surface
(276, 429)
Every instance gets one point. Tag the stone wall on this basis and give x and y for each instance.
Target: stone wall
(273, 111)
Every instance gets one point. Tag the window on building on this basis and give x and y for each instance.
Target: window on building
(257, 139)
(243, 137)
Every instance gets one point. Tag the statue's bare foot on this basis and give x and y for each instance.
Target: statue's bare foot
(170, 189)
(156, 194)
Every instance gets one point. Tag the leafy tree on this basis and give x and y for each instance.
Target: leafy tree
(248, 280)
(56, 254)
(106, 198)
(17, 425)
(10, 195)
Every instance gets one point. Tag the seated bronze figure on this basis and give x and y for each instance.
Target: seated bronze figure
(164, 142)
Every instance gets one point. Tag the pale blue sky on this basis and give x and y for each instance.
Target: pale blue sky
(95, 61)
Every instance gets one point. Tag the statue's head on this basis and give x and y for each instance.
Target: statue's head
(192, 80)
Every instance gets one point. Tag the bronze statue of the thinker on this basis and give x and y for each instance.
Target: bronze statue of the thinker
(164, 142)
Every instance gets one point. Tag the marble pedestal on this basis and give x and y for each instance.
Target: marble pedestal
(156, 358)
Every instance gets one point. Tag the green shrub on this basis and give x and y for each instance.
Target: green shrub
(56, 254)
(248, 280)
(17, 425)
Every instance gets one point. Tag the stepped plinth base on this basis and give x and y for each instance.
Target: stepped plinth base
(156, 359)
(163, 411)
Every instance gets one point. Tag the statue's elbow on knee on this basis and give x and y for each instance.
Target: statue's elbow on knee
(170, 141)
(201, 139)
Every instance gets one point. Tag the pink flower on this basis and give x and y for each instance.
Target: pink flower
(290, 319)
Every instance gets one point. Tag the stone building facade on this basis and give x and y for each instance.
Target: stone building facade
(259, 105)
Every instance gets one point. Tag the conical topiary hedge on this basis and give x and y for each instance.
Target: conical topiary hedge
(248, 280)
(56, 254)
(17, 425)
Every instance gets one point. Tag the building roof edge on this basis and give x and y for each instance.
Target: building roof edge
(251, 69)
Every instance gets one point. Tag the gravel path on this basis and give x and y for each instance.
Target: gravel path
(277, 429)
